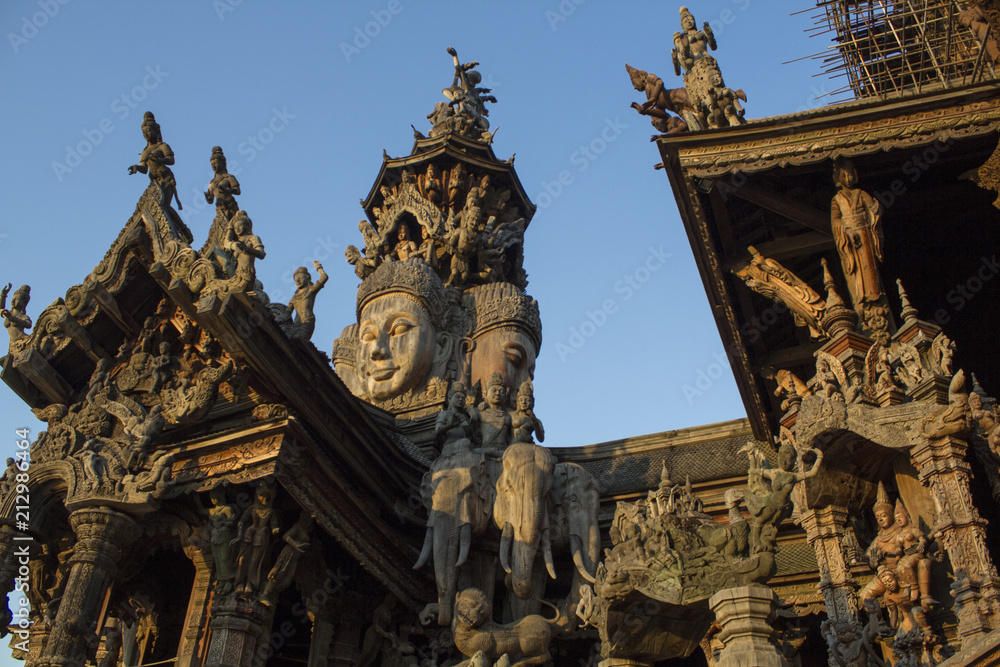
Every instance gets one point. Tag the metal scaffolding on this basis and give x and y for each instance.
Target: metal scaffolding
(886, 48)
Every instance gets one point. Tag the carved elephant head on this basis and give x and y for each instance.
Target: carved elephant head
(575, 500)
(458, 494)
(521, 512)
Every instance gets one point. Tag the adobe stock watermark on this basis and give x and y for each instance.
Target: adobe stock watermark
(581, 158)
(363, 35)
(122, 107)
(915, 166)
(964, 292)
(626, 288)
(223, 7)
(254, 144)
(562, 12)
(31, 25)
(752, 330)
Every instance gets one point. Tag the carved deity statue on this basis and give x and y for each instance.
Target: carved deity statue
(301, 304)
(855, 218)
(524, 423)
(222, 187)
(296, 542)
(155, 159)
(405, 246)
(16, 318)
(769, 278)
(223, 521)
(495, 421)
(691, 45)
(899, 549)
(221, 190)
(247, 248)
(402, 343)
(258, 525)
(506, 335)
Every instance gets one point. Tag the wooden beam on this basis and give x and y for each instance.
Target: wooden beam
(793, 210)
(796, 246)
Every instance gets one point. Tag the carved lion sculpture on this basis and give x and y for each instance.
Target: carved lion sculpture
(523, 643)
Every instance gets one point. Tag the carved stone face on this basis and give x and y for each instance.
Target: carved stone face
(889, 580)
(883, 517)
(975, 401)
(902, 519)
(495, 396)
(524, 402)
(507, 350)
(302, 277)
(218, 166)
(687, 21)
(396, 346)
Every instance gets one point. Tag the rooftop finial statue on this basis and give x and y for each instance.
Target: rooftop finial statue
(155, 159)
(16, 319)
(463, 94)
(691, 45)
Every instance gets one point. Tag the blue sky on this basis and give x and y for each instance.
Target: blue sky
(304, 96)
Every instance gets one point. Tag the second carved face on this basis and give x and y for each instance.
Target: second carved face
(507, 350)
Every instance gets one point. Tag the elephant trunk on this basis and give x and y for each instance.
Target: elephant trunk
(445, 570)
(425, 553)
(505, 540)
(525, 549)
(576, 545)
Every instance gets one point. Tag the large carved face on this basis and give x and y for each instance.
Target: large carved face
(883, 517)
(396, 345)
(509, 351)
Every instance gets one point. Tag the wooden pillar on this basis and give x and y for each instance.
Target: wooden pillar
(240, 630)
(101, 535)
(196, 619)
(943, 468)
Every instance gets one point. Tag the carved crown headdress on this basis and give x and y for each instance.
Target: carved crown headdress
(901, 509)
(412, 276)
(499, 304)
(217, 153)
(526, 389)
(24, 292)
(495, 380)
(882, 500)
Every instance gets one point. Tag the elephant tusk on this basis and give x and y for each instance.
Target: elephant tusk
(505, 541)
(426, 552)
(578, 562)
(547, 554)
(465, 539)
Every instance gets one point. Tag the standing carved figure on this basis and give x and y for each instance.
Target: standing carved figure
(914, 567)
(222, 187)
(855, 217)
(405, 246)
(296, 542)
(16, 319)
(155, 159)
(247, 248)
(692, 45)
(223, 520)
(258, 525)
(302, 302)
(221, 191)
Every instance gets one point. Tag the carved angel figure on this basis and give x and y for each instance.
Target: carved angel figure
(942, 351)
(830, 377)
(156, 159)
(770, 490)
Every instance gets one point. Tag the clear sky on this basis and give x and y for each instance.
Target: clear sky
(304, 96)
